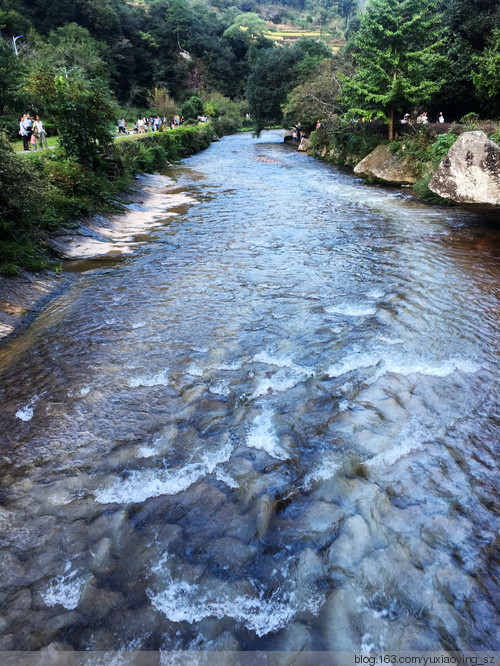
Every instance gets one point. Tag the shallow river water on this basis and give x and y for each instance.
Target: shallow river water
(273, 427)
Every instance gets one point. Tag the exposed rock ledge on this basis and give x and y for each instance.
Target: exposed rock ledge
(154, 202)
(21, 296)
(385, 167)
(470, 174)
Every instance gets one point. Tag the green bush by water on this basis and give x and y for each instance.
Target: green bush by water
(57, 190)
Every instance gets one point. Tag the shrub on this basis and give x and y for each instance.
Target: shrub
(192, 108)
(22, 192)
(9, 269)
(10, 126)
(470, 120)
(440, 147)
(395, 147)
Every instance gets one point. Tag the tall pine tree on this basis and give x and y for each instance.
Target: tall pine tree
(397, 59)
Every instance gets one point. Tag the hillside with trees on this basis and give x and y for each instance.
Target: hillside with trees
(83, 64)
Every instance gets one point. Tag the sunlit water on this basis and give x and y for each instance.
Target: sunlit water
(274, 427)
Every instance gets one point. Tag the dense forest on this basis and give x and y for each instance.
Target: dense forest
(183, 46)
(82, 64)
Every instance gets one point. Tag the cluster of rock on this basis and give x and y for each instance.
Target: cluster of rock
(468, 175)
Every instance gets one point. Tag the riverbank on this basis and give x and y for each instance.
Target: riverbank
(139, 203)
(154, 200)
(454, 164)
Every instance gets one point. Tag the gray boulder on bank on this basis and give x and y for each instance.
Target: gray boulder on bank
(385, 167)
(470, 173)
(304, 144)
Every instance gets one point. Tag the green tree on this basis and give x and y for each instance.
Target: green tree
(271, 79)
(318, 97)
(161, 101)
(469, 25)
(69, 79)
(68, 48)
(249, 28)
(85, 115)
(487, 76)
(11, 76)
(397, 59)
(192, 108)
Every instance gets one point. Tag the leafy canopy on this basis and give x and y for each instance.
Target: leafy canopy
(70, 79)
(397, 58)
(487, 76)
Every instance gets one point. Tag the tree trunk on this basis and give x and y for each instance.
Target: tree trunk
(391, 124)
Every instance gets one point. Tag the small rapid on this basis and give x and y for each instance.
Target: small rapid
(273, 426)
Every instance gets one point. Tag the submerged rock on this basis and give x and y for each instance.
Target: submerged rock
(385, 167)
(470, 173)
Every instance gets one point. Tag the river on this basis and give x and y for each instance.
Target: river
(272, 427)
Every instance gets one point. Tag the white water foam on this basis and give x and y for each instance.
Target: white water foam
(262, 435)
(443, 369)
(64, 590)
(181, 601)
(196, 370)
(220, 475)
(375, 293)
(160, 379)
(221, 387)
(413, 437)
(85, 390)
(26, 413)
(141, 485)
(282, 362)
(366, 645)
(352, 362)
(352, 309)
(289, 375)
(323, 470)
(139, 324)
(280, 381)
(390, 341)
(146, 451)
(357, 361)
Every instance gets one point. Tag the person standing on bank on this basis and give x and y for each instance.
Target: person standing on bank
(24, 133)
(29, 129)
(40, 134)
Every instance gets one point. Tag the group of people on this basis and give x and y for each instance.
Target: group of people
(151, 124)
(32, 133)
(422, 119)
(154, 124)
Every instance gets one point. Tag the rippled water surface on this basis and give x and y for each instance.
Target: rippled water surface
(273, 427)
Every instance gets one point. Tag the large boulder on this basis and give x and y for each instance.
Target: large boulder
(385, 167)
(470, 173)
(304, 144)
